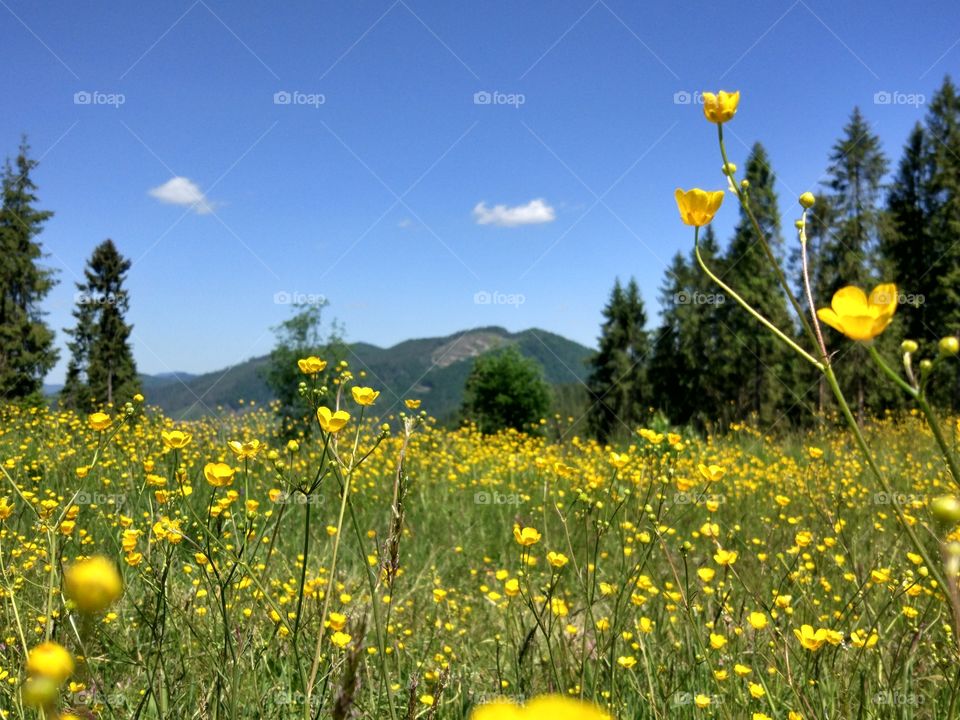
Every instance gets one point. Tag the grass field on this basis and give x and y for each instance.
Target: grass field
(671, 578)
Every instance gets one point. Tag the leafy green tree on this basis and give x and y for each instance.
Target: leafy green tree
(27, 352)
(506, 390)
(755, 372)
(618, 380)
(101, 367)
(298, 337)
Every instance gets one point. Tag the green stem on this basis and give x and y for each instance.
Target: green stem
(746, 306)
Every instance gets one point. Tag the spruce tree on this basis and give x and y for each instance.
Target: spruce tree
(753, 368)
(849, 253)
(617, 382)
(101, 368)
(27, 352)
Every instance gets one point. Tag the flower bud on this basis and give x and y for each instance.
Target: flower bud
(744, 184)
(798, 224)
(949, 346)
(926, 366)
(40, 692)
(909, 346)
(728, 169)
(807, 200)
(946, 509)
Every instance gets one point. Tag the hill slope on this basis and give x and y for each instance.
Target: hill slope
(432, 369)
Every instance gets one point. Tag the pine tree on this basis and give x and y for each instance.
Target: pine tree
(754, 370)
(683, 386)
(101, 368)
(617, 383)
(908, 245)
(943, 301)
(849, 253)
(27, 352)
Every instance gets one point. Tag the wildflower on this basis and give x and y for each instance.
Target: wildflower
(99, 421)
(717, 641)
(50, 660)
(720, 107)
(245, 450)
(711, 473)
(218, 474)
(701, 701)
(527, 536)
(757, 691)
(364, 395)
(626, 661)
(176, 439)
(757, 620)
(809, 638)
(949, 346)
(860, 317)
(557, 560)
(697, 207)
(6, 509)
(311, 365)
(332, 422)
(807, 200)
(412, 404)
(93, 584)
(860, 639)
(725, 557)
(545, 707)
(340, 639)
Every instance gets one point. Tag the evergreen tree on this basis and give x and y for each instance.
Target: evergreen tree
(27, 352)
(506, 390)
(753, 368)
(848, 254)
(617, 382)
(908, 247)
(687, 341)
(101, 368)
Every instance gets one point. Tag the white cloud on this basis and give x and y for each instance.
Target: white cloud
(533, 213)
(182, 191)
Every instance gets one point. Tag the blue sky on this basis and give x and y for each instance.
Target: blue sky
(386, 184)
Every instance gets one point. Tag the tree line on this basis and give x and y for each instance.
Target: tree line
(708, 363)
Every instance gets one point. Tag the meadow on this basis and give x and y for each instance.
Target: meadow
(382, 566)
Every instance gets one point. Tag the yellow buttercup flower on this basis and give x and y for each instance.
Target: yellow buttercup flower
(245, 450)
(858, 316)
(364, 395)
(93, 584)
(50, 660)
(720, 107)
(311, 365)
(557, 560)
(545, 707)
(809, 638)
(218, 474)
(711, 473)
(99, 421)
(176, 439)
(332, 422)
(412, 404)
(697, 207)
(526, 536)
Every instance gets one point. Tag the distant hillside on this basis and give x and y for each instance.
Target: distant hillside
(432, 369)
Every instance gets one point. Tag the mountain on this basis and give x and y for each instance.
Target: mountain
(434, 370)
